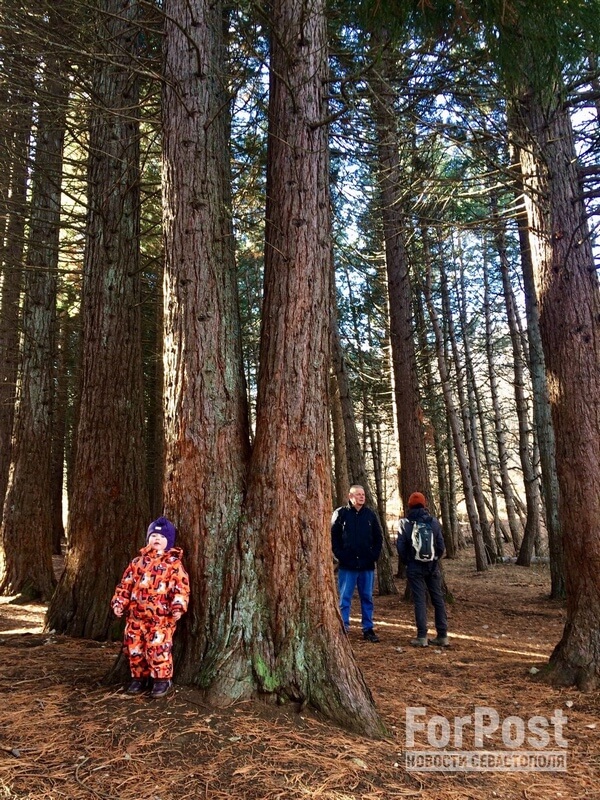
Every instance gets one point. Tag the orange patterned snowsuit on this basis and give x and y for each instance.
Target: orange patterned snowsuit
(151, 588)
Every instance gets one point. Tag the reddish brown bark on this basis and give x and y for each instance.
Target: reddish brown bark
(297, 648)
(569, 303)
(205, 416)
(27, 521)
(414, 471)
(20, 68)
(109, 507)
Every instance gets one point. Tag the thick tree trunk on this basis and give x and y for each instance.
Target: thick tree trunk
(569, 302)
(292, 630)
(205, 414)
(109, 508)
(27, 521)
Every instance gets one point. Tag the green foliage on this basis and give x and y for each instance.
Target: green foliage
(525, 39)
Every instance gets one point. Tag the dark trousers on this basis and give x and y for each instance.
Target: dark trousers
(423, 578)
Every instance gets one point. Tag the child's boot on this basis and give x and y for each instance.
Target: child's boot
(136, 687)
(160, 688)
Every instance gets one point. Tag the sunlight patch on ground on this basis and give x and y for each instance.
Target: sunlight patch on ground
(535, 651)
(20, 618)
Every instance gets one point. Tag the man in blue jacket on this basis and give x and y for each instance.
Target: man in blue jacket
(356, 540)
(424, 576)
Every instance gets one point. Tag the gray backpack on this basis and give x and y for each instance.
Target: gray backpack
(422, 541)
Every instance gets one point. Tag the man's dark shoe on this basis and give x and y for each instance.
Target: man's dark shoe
(420, 641)
(440, 641)
(137, 686)
(160, 689)
(370, 636)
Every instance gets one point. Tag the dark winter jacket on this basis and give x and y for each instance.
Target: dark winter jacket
(356, 537)
(404, 542)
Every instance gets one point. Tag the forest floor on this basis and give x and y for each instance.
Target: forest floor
(65, 735)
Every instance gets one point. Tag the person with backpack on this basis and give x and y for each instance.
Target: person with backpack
(420, 545)
(356, 541)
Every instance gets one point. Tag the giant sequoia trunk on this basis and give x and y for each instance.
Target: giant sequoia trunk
(569, 303)
(263, 618)
(109, 507)
(292, 630)
(27, 522)
(205, 416)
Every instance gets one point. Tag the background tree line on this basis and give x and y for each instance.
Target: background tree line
(250, 257)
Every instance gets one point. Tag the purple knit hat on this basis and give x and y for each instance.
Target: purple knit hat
(166, 528)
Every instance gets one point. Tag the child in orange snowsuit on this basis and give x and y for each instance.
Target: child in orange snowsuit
(154, 593)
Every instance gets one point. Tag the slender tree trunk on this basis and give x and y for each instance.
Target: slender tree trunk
(453, 420)
(569, 302)
(437, 425)
(414, 471)
(530, 478)
(503, 454)
(59, 430)
(108, 513)
(156, 428)
(72, 356)
(475, 414)
(455, 525)
(473, 487)
(6, 133)
(28, 509)
(376, 456)
(342, 481)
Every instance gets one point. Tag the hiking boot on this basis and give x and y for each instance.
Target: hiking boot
(420, 641)
(160, 689)
(440, 641)
(137, 686)
(370, 636)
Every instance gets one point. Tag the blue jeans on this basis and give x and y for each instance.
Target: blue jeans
(423, 578)
(363, 580)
